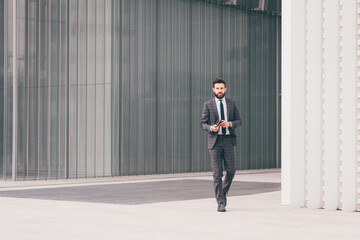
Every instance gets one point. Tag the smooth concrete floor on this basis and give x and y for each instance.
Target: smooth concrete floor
(87, 209)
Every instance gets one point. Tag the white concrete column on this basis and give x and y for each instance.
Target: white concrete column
(347, 105)
(358, 104)
(313, 103)
(293, 102)
(321, 104)
(330, 97)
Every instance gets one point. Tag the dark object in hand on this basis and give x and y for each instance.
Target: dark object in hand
(219, 123)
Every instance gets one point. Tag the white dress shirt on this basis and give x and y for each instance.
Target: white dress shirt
(219, 112)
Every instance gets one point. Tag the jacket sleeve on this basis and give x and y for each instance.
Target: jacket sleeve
(237, 119)
(205, 118)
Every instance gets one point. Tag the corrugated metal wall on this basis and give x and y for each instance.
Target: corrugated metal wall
(170, 52)
(112, 87)
(2, 87)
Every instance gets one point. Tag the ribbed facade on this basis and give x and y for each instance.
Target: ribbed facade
(110, 87)
(321, 156)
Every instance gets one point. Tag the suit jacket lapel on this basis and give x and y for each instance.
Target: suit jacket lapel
(213, 103)
(228, 107)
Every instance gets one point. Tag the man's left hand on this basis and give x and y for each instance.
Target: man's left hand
(224, 124)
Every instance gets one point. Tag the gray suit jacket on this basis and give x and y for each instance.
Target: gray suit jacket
(210, 116)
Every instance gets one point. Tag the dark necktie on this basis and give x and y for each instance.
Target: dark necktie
(222, 116)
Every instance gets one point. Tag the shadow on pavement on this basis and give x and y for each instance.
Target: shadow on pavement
(141, 193)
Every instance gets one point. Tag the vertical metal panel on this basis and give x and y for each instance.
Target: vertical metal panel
(173, 91)
(116, 69)
(63, 113)
(3, 16)
(108, 88)
(8, 97)
(82, 87)
(113, 87)
(92, 108)
(73, 88)
(278, 92)
(21, 64)
(54, 85)
(99, 50)
(43, 88)
(124, 115)
(150, 87)
(15, 93)
(130, 111)
(262, 92)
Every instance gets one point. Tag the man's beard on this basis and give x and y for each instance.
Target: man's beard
(219, 96)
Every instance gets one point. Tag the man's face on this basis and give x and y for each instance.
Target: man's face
(219, 90)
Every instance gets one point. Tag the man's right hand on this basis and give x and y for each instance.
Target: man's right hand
(214, 128)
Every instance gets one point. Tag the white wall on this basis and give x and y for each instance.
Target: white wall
(321, 104)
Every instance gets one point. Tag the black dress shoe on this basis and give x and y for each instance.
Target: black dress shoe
(221, 208)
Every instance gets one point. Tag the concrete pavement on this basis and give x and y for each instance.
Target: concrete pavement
(104, 209)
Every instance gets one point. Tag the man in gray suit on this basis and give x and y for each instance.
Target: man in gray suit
(220, 117)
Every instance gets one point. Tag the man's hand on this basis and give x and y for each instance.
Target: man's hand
(214, 128)
(224, 124)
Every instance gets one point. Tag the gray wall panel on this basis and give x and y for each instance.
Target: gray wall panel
(2, 87)
(91, 129)
(110, 87)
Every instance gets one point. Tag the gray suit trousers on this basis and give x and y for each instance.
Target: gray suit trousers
(222, 154)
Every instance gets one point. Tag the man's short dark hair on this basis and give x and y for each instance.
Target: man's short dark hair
(219, 80)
